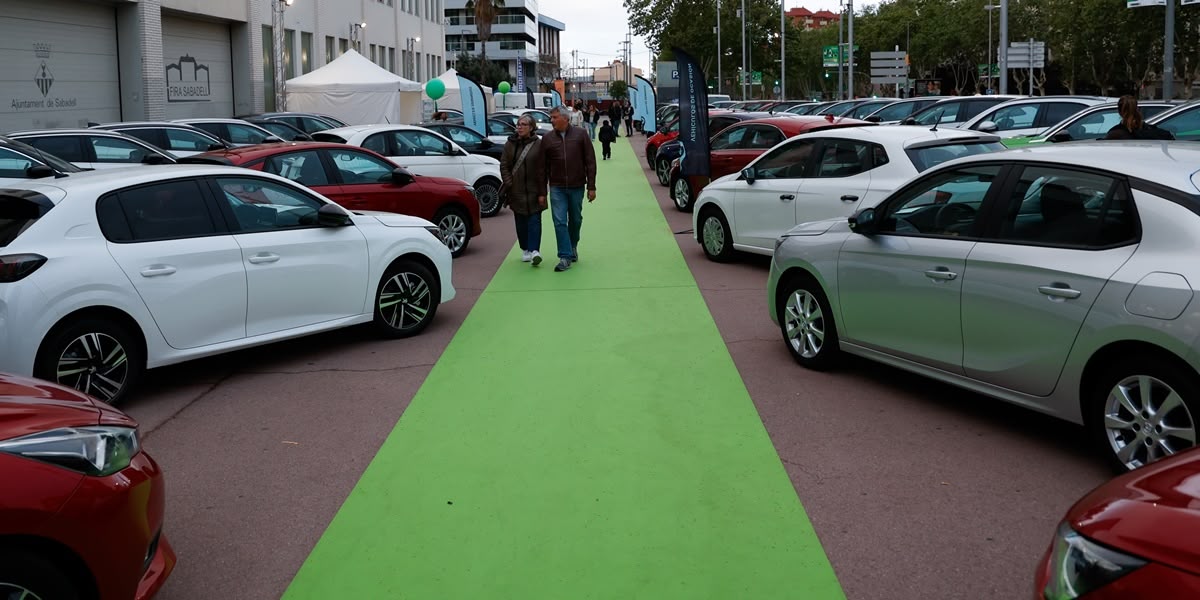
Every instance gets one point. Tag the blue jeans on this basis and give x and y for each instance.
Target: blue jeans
(529, 231)
(566, 204)
(591, 127)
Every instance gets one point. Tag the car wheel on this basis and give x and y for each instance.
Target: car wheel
(662, 168)
(455, 228)
(487, 192)
(715, 237)
(407, 299)
(806, 321)
(28, 576)
(1142, 410)
(683, 195)
(651, 153)
(98, 357)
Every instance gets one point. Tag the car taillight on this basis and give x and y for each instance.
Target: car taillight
(15, 267)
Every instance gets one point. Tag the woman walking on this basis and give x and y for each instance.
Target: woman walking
(592, 119)
(524, 183)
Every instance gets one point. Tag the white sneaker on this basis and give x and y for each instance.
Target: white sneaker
(526, 256)
(537, 258)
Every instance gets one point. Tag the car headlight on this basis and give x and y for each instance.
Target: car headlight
(96, 451)
(779, 242)
(437, 232)
(1079, 565)
(675, 163)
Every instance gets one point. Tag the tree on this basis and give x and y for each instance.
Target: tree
(618, 89)
(479, 68)
(485, 15)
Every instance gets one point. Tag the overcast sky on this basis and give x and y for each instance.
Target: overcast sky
(596, 28)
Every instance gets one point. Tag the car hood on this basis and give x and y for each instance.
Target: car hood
(431, 180)
(725, 179)
(1152, 512)
(394, 219)
(30, 406)
(484, 160)
(814, 227)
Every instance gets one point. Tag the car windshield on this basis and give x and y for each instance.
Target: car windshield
(54, 161)
(942, 112)
(895, 112)
(927, 157)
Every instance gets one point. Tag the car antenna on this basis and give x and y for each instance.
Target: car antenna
(938, 119)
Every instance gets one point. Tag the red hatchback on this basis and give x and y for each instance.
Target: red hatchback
(738, 145)
(81, 511)
(1136, 537)
(666, 134)
(359, 179)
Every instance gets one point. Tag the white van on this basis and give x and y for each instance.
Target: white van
(520, 100)
(718, 98)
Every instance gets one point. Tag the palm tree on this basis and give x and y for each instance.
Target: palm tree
(485, 14)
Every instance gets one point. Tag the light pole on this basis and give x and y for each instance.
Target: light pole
(355, 42)
(1003, 46)
(988, 55)
(782, 56)
(277, 45)
(411, 63)
(720, 50)
(850, 43)
(744, 75)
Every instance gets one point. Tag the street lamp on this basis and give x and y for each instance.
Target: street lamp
(277, 26)
(356, 37)
(411, 44)
(988, 56)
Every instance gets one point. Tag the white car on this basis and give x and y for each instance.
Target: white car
(235, 131)
(426, 152)
(1029, 115)
(177, 139)
(107, 273)
(816, 176)
(94, 148)
(541, 117)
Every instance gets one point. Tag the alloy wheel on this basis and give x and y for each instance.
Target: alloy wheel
(95, 364)
(1145, 419)
(682, 194)
(405, 300)
(488, 197)
(663, 172)
(805, 323)
(454, 231)
(12, 591)
(714, 235)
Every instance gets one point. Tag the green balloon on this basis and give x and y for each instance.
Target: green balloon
(504, 87)
(435, 89)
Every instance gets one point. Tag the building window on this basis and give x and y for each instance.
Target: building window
(344, 45)
(418, 63)
(329, 49)
(289, 42)
(268, 69)
(305, 52)
(373, 53)
(392, 60)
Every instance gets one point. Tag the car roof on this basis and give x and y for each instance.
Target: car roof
(796, 124)
(355, 129)
(209, 120)
(1169, 163)
(71, 131)
(102, 181)
(908, 135)
(245, 154)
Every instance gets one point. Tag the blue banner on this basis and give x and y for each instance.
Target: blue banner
(556, 98)
(529, 101)
(649, 104)
(693, 115)
(632, 92)
(474, 107)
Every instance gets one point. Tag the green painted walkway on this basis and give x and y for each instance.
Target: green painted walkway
(585, 435)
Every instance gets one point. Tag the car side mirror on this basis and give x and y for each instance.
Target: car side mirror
(401, 176)
(748, 174)
(988, 126)
(332, 215)
(302, 137)
(863, 222)
(215, 147)
(485, 143)
(909, 121)
(272, 139)
(153, 159)
(874, 119)
(1061, 136)
(38, 171)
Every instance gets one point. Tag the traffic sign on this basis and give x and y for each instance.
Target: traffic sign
(889, 67)
(1141, 3)
(1027, 55)
(829, 55)
(776, 89)
(757, 78)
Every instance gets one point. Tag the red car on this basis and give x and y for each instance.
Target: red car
(1136, 537)
(360, 179)
(668, 133)
(81, 508)
(738, 145)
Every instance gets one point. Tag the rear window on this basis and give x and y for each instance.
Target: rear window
(328, 137)
(19, 210)
(927, 157)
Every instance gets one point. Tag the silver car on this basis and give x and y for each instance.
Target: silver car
(1056, 277)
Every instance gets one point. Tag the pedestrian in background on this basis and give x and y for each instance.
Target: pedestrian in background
(570, 165)
(576, 116)
(614, 116)
(523, 185)
(592, 119)
(1132, 125)
(627, 112)
(608, 135)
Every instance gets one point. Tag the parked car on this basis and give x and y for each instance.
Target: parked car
(666, 133)
(281, 130)
(359, 179)
(1029, 115)
(736, 146)
(862, 110)
(469, 140)
(811, 108)
(841, 109)
(1057, 277)
(542, 118)
(177, 139)
(309, 123)
(1133, 538)
(1182, 121)
(108, 273)
(21, 162)
(673, 149)
(1091, 123)
(955, 110)
(816, 176)
(899, 110)
(235, 132)
(82, 514)
(425, 152)
(94, 149)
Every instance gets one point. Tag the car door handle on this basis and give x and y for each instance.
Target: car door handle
(849, 198)
(787, 197)
(263, 257)
(157, 270)
(941, 274)
(1059, 291)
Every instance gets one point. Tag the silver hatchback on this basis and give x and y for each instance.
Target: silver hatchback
(1057, 277)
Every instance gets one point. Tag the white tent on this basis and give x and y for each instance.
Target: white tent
(453, 99)
(356, 91)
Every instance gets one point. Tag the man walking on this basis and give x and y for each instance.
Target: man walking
(570, 169)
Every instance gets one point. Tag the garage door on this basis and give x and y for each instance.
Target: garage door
(58, 64)
(199, 68)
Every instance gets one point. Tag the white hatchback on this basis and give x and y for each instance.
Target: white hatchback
(426, 152)
(94, 148)
(107, 273)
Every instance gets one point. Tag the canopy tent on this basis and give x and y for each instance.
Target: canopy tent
(357, 91)
(452, 98)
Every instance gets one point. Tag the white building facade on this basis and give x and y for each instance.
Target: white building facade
(67, 63)
(513, 42)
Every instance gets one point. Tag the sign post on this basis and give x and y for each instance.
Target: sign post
(889, 68)
(1027, 55)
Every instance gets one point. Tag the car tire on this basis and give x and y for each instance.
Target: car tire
(455, 228)
(662, 168)
(1148, 432)
(35, 574)
(98, 357)
(806, 323)
(715, 236)
(487, 192)
(682, 194)
(651, 153)
(406, 300)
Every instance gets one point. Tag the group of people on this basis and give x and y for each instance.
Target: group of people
(592, 118)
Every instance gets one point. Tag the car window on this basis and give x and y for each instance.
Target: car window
(896, 112)
(944, 112)
(244, 134)
(1094, 125)
(463, 136)
(153, 137)
(303, 167)
(1184, 126)
(499, 128)
(943, 204)
(729, 139)
(1054, 113)
(928, 157)
(166, 210)
(66, 147)
(216, 129)
(789, 161)
(115, 150)
(843, 158)
(19, 212)
(974, 107)
(865, 109)
(538, 116)
(1057, 206)
(1150, 111)
(761, 137)
(377, 143)
(360, 167)
(421, 143)
(187, 141)
(13, 164)
(1021, 116)
(261, 205)
(673, 127)
(281, 130)
(311, 125)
